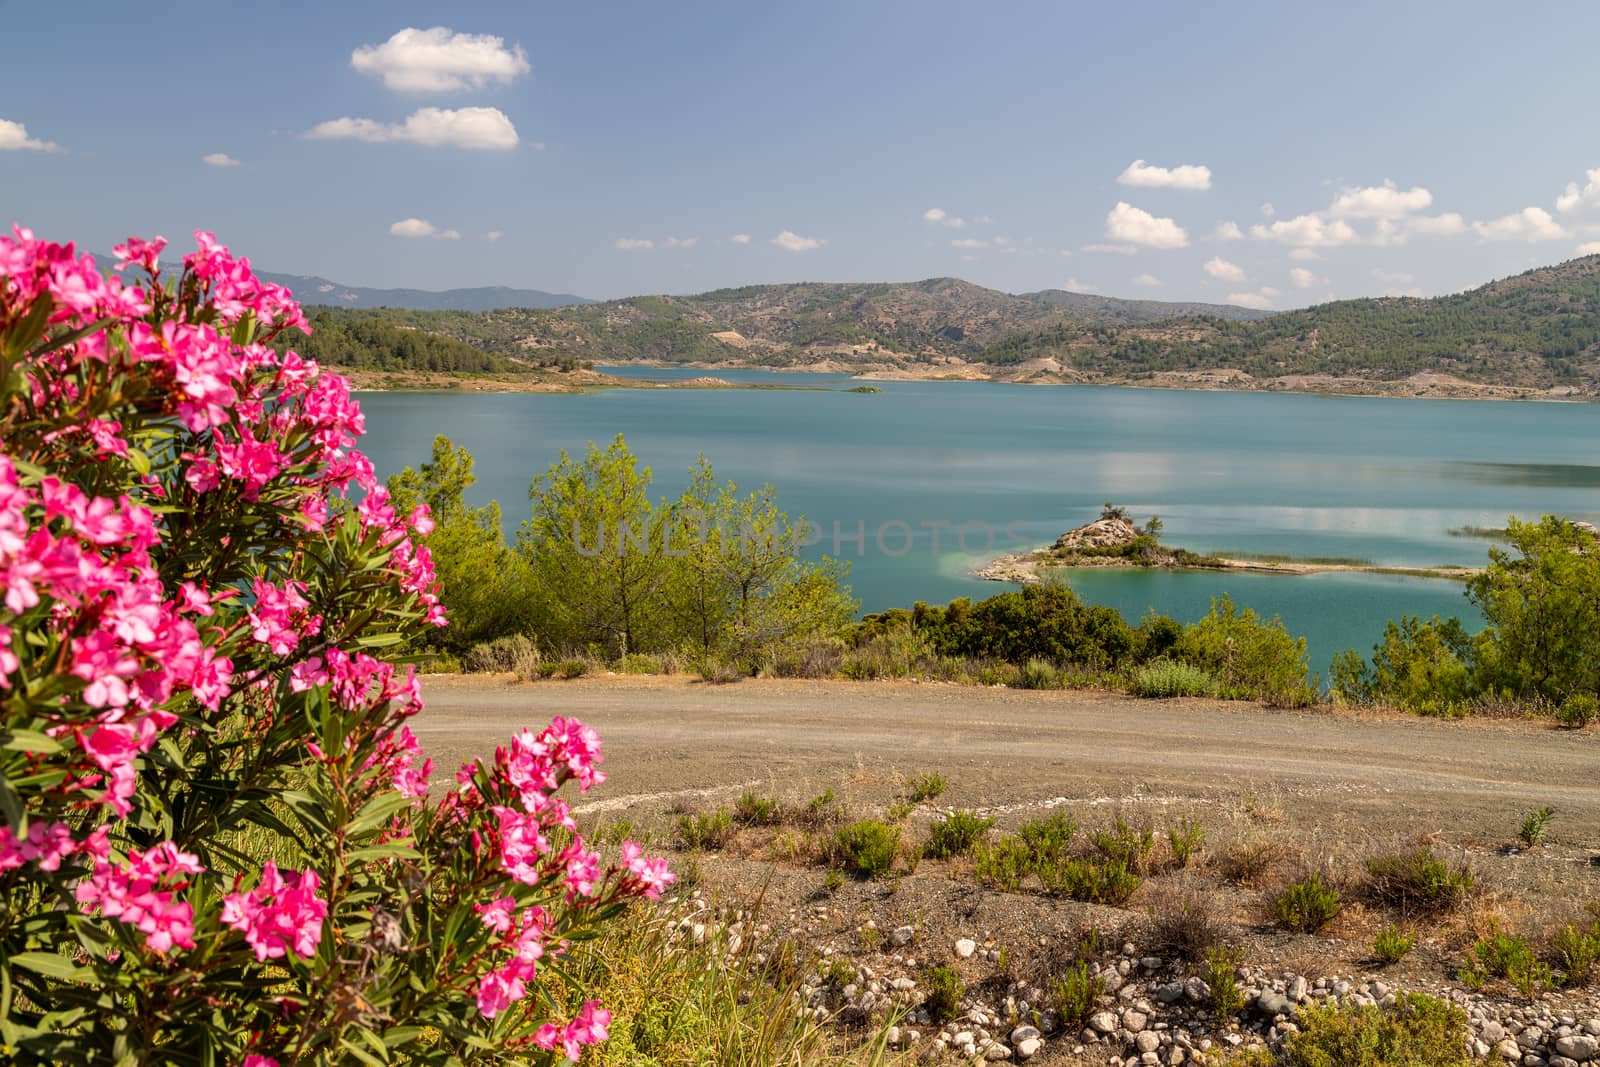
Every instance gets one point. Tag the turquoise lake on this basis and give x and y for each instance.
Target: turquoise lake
(1377, 479)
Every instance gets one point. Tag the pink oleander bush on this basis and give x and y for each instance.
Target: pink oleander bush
(219, 844)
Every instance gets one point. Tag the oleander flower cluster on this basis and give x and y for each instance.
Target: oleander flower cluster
(208, 604)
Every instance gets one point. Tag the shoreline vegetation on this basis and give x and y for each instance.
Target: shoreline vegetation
(1112, 541)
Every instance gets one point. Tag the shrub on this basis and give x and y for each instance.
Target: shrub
(1306, 906)
(943, 1000)
(752, 810)
(869, 846)
(1003, 864)
(1424, 666)
(956, 833)
(1165, 679)
(199, 569)
(1185, 928)
(1249, 657)
(1221, 975)
(1578, 711)
(927, 786)
(1074, 995)
(705, 830)
(1049, 836)
(1249, 862)
(1500, 955)
(1536, 827)
(1184, 841)
(572, 668)
(514, 654)
(1040, 674)
(1417, 883)
(1107, 882)
(1391, 945)
(1418, 1031)
(1577, 951)
(1125, 845)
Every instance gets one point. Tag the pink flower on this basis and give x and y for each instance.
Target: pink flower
(649, 874)
(143, 893)
(278, 914)
(253, 1060)
(496, 914)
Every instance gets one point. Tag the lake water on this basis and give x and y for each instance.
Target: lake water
(1376, 479)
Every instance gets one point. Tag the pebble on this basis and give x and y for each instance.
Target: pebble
(966, 947)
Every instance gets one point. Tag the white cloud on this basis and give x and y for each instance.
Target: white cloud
(493, 235)
(1218, 267)
(1261, 299)
(741, 238)
(969, 242)
(219, 159)
(1392, 277)
(1307, 231)
(415, 227)
(1412, 292)
(1148, 280)
(1386, 201)
(1127, 224)
(634, 244)
(1304, 279)
(439, 60)
(14, 138)
(1267, 210)
(1530, 224)
(680, 242)
(793, 242)
(944, 218)
(1589, 248)
(1075, 286)
(934, 214)
(1305, 255)
(1586, 196)
(1187, 176)
(1441, 225)
(1120, 250)
(467, 127)
(1229, 231)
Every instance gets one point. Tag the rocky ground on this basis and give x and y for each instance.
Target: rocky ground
(1279, 793)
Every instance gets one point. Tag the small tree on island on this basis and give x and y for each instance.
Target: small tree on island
(219, 842)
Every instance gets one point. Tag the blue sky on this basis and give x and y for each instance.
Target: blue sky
(621, 148)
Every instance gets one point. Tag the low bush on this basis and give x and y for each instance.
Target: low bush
(943, 1000)
(956, 833)
(1185, 841)
(514, 654)
(1578, 711)
(1536, 827)
(1508, 956)
(1184, 927)
(868, 847)
(1040, 674)
(1391, 945)
(1249, 862)
(1074, 995)
(1221, 975)
(1306, 906)
(1417, 882)
(1108, 882)
(1049, 836)
(1123, 844)
(1003, 864)
(753, 810)
(706, 830)
(1418, 1031)
(572, 668)
(929, 785)
(1576, 950)
(1165, 679)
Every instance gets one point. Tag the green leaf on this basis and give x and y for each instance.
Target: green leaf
(378, 811)
(379, 852)
(28, 741)
(50, 965)
(139, 461)
(360, 1053)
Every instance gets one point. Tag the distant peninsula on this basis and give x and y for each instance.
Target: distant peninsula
(1113, 540)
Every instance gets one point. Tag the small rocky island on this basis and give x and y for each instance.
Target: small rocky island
(1113, 540)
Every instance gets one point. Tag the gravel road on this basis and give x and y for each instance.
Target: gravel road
(667, 738)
